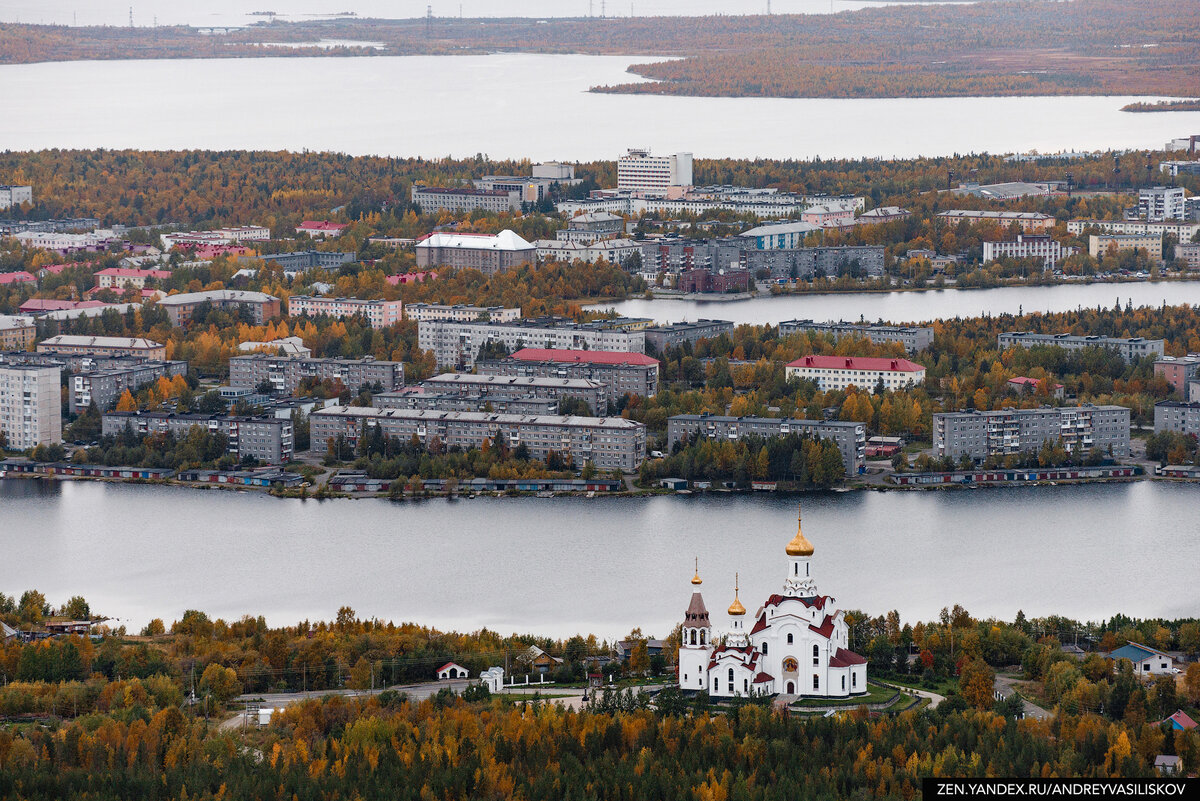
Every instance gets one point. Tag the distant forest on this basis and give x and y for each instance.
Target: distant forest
(1143, 47)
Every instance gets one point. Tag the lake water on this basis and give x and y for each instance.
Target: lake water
(912, 307)
(564, 565)
(517, 106)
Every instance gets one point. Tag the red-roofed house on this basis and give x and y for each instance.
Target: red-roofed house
(1180, 721)
(121, 277)
(1029, 386)
(839, 372)
(20, 277)
(452, 670)
(321, 228)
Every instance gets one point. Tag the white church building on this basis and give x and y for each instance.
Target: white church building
(796, 643)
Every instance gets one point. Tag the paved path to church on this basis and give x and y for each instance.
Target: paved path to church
(1004, 686)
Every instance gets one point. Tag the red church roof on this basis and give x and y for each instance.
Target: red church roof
(762, 678)
(826, 627)
(857, 363)
(844, 658)
(582, 356)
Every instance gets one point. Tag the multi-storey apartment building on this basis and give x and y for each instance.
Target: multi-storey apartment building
(593, 393)
(839, 372)
(1130, 349)
(104, 386)
(913, 338)
(1029, 221)
(14, 196)
(1157, 203)
(219, 236)
(608, 442)
(1183, 231)
(979, 435)
(1178, 370)
(613, 251)
(103, 346)
(455, 343)
(851, 438)
(864, 260)
(259, 305)
(267, 439)
(379, 313)
(120, 278)
(1029, 246)
(1177, 416)
(460, 313)
(30, 406)
(432, 199)
(778, 236)
(700, 280)
(484, 252)
(16, 333)
(304, 260)
(1189, 254)
(1101, 244)
(284, 373)
(661, 337)
(622, 373)
(588, 228)
(639, 171)
(419, 398)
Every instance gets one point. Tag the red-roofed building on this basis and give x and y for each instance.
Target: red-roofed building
(799, 644)
(866, 373)
(1029, 386)
(20, 277)
(453, 670)
(120, 277)
(207, 252)
(1180, 721)
(43, 305)
(319, 229)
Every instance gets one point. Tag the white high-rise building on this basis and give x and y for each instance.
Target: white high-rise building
(639, 171)
(30, 406)
(1158, 203)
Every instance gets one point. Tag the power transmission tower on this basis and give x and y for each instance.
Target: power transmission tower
(428, 20)
(602, 9)
(131, 16)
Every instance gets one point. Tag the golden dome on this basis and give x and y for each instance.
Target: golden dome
(696, 578)
(799, 546)
(736, 609)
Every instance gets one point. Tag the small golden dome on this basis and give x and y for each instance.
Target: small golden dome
(696, 578)
(799, 546)
(736, 609)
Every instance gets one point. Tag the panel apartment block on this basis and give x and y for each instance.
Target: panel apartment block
(913, 338)
(608, 442)
(417, 398)
(30, 408)
(284, 374)
(593, 393)
(268, 439)
(259, 306)
(104, 386)
(662, 337)
(379, 313)
(850, 438)
(1182, 418)
(459, 343)
(621, 373)
(1009, 431)
(1130, 349)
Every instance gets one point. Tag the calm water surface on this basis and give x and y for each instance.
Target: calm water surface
(916, 306)
(517, 106)
(565, 565)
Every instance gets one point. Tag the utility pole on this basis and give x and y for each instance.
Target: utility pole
(428, 20)
(602, 9)
(131, 16)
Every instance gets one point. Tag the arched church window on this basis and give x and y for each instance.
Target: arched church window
(731, 674)
(789, 638)
(693, 636)
(764, 648)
